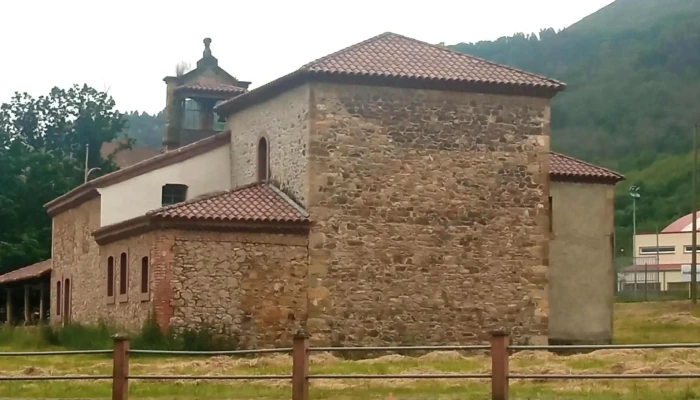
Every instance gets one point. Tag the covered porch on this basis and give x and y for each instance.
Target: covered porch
(25, 294)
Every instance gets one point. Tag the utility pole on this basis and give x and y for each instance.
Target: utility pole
(87, 171)
(693, 263)
(87, 151)
(634, 194)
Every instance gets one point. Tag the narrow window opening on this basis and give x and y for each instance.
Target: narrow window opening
(66, 301)
(110, 276)
(144, 275)
(263, 161)
(58, 298)
(122, 274)
(173, 194)
(551, 216)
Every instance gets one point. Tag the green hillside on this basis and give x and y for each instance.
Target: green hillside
(633, 96)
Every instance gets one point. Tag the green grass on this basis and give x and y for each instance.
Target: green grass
(635, 323)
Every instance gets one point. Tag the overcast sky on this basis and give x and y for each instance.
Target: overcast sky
(129, 46)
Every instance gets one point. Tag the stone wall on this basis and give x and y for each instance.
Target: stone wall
(429, 210)
(76, 256)
(252, 285)
(283, 121)
(582, 266)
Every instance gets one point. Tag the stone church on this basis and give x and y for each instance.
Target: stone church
(393, 192)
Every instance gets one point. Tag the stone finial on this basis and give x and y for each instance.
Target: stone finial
(207, 50)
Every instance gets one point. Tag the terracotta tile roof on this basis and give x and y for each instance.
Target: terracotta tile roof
(393, 55)
(569, 168)
(390, 55)
(31, 271)
(253, 203)
(211, 88)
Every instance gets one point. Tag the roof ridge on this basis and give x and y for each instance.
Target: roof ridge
(479, 59)
(345, 49)
(587, 163)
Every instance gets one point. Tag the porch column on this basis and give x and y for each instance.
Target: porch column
(27, 316)
(41, 302)
(8, 307)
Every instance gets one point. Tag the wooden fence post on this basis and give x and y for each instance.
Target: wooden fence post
(120, 372)
(499, 365)
(300, 366)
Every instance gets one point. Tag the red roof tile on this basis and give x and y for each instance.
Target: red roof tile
(257, 203)
(31, 271)
(394, 55)
(566, 167)
(211, 88)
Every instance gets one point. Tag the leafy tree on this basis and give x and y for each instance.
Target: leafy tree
(42, 154)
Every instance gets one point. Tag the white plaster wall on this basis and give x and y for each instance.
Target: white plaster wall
(205, 173)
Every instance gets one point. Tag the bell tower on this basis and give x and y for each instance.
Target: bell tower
(191, 97)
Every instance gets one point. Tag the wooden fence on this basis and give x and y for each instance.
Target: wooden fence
(300, 376)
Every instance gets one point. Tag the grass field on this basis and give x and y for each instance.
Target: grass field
(635, 323)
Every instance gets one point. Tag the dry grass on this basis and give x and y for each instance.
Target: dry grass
(651, 322)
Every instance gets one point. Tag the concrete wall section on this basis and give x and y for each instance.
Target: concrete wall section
(581, 263)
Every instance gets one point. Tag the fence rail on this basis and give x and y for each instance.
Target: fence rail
(300, 376)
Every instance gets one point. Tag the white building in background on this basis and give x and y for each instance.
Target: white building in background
(662, 261)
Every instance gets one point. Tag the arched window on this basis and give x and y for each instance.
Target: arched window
(110, 276)
(144, 275)
(122, 274)
(263, 161)
(58, 298)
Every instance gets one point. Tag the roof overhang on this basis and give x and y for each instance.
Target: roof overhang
(149, 223)
(300, 77)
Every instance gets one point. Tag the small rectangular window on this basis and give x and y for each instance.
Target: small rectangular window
(659, 250)
(689, 248)
(173, 194)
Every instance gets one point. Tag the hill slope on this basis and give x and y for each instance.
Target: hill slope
(633, 96)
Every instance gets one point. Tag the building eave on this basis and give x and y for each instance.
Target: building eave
(149, 223)
(300, 77)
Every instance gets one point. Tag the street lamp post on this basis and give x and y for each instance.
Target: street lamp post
(634, 194)
(693, 262)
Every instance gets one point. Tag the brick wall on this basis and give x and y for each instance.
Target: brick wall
(430, 215)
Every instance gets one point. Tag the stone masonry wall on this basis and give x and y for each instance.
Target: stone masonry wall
(252, 285)
(76, 256)
(429, 210)
(283, 121)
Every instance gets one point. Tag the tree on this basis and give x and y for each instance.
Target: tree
(42, 155)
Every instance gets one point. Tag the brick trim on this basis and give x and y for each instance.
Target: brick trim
(162, 264)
